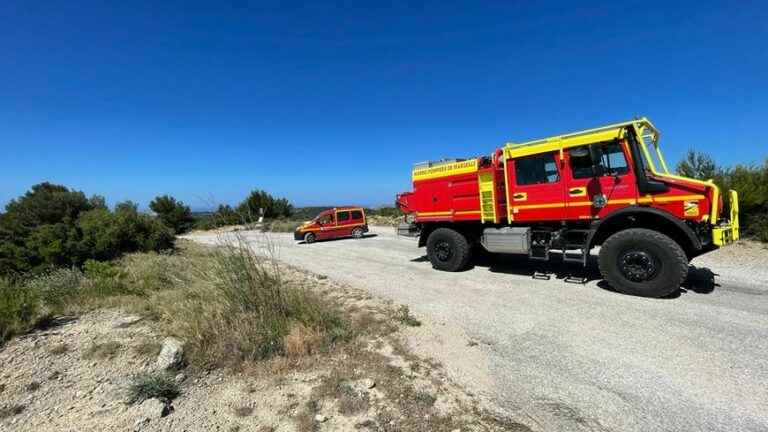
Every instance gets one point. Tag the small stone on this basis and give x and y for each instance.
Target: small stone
(320, 418)
(369, 383)
(179, 378)
(171, 355)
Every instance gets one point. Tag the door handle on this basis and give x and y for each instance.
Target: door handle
(576, 191)
(518, 196)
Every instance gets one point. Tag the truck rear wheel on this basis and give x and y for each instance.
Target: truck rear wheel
(643, 262)
(448, 250)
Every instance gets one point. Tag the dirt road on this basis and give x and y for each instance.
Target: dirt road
(572, 356)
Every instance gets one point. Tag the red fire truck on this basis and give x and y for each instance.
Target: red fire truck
(608, 187)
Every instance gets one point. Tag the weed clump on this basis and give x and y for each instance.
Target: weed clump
(106, 350)
(403, 315)
(159, 385)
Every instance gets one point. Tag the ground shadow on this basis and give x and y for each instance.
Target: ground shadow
(365, 236)
(700, 280)
(48, 322)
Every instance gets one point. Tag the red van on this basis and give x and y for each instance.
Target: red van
(333, 223)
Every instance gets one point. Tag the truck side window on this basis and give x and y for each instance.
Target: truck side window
(343, 216)
(357, 215)
(613, 161)
(536, 169)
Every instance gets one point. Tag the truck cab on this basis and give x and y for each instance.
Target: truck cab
(607, 186)
(333, 223)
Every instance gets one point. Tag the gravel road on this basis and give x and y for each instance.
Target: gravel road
(573, 356)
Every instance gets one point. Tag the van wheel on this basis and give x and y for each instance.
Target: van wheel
(357, 233)
(309, 238)
(448, 250)
(643, 262)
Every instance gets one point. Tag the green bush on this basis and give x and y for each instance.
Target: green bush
(56, 287)
(174, 214)
(280, 225)
(750, 181)
(51, 226)
(18, 309)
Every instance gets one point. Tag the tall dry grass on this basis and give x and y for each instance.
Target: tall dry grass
(241, 308)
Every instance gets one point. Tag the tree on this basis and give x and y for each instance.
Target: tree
(697, 165)
(51, 226)
(251, 207)
(174, 214)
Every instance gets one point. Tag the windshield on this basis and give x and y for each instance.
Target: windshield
(652, 160)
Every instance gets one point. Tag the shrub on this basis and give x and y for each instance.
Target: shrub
(280, 225)
(159, 385)
(750, 181)
(56, 287)
(52, 226)
(174, 214)
(105, 279)
(18, 309)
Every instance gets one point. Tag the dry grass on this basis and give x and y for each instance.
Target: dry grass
(11, 411)
(242, 410)
(147, 348)
(106, 350)
(59, 349)
(32, 387)
(239, 307)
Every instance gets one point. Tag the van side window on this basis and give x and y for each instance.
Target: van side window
(536, 169)
(613, 161)
(343, 216)
(357, 215)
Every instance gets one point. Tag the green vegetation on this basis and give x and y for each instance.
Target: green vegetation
(248, 211)
(159, 385)
(51, 226)
(751, 181)
(174, 214)
(280, 225)
(19, 309)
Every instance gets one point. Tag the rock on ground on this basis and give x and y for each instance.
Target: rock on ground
(171, 355)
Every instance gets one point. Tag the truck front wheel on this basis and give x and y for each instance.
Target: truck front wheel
(448, 250)
(643, 262)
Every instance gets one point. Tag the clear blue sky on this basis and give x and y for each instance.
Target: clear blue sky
(331, 102)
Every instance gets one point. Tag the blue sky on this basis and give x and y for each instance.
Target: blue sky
(332, 102)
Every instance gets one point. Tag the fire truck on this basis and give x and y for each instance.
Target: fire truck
(607, 187)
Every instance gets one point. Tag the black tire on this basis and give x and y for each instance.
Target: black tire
(448, 250)
(643, 262)
(309, 238)
(357, 233)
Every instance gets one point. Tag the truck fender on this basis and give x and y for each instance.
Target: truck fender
(647, 217)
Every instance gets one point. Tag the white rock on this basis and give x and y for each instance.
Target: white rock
(368, 383)
(179, 378)
(320, 418)
(150, 409)
(171, 355)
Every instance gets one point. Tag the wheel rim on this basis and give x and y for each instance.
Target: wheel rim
(309, 238)
(357, 233)
(639, 265)
(443, 251)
